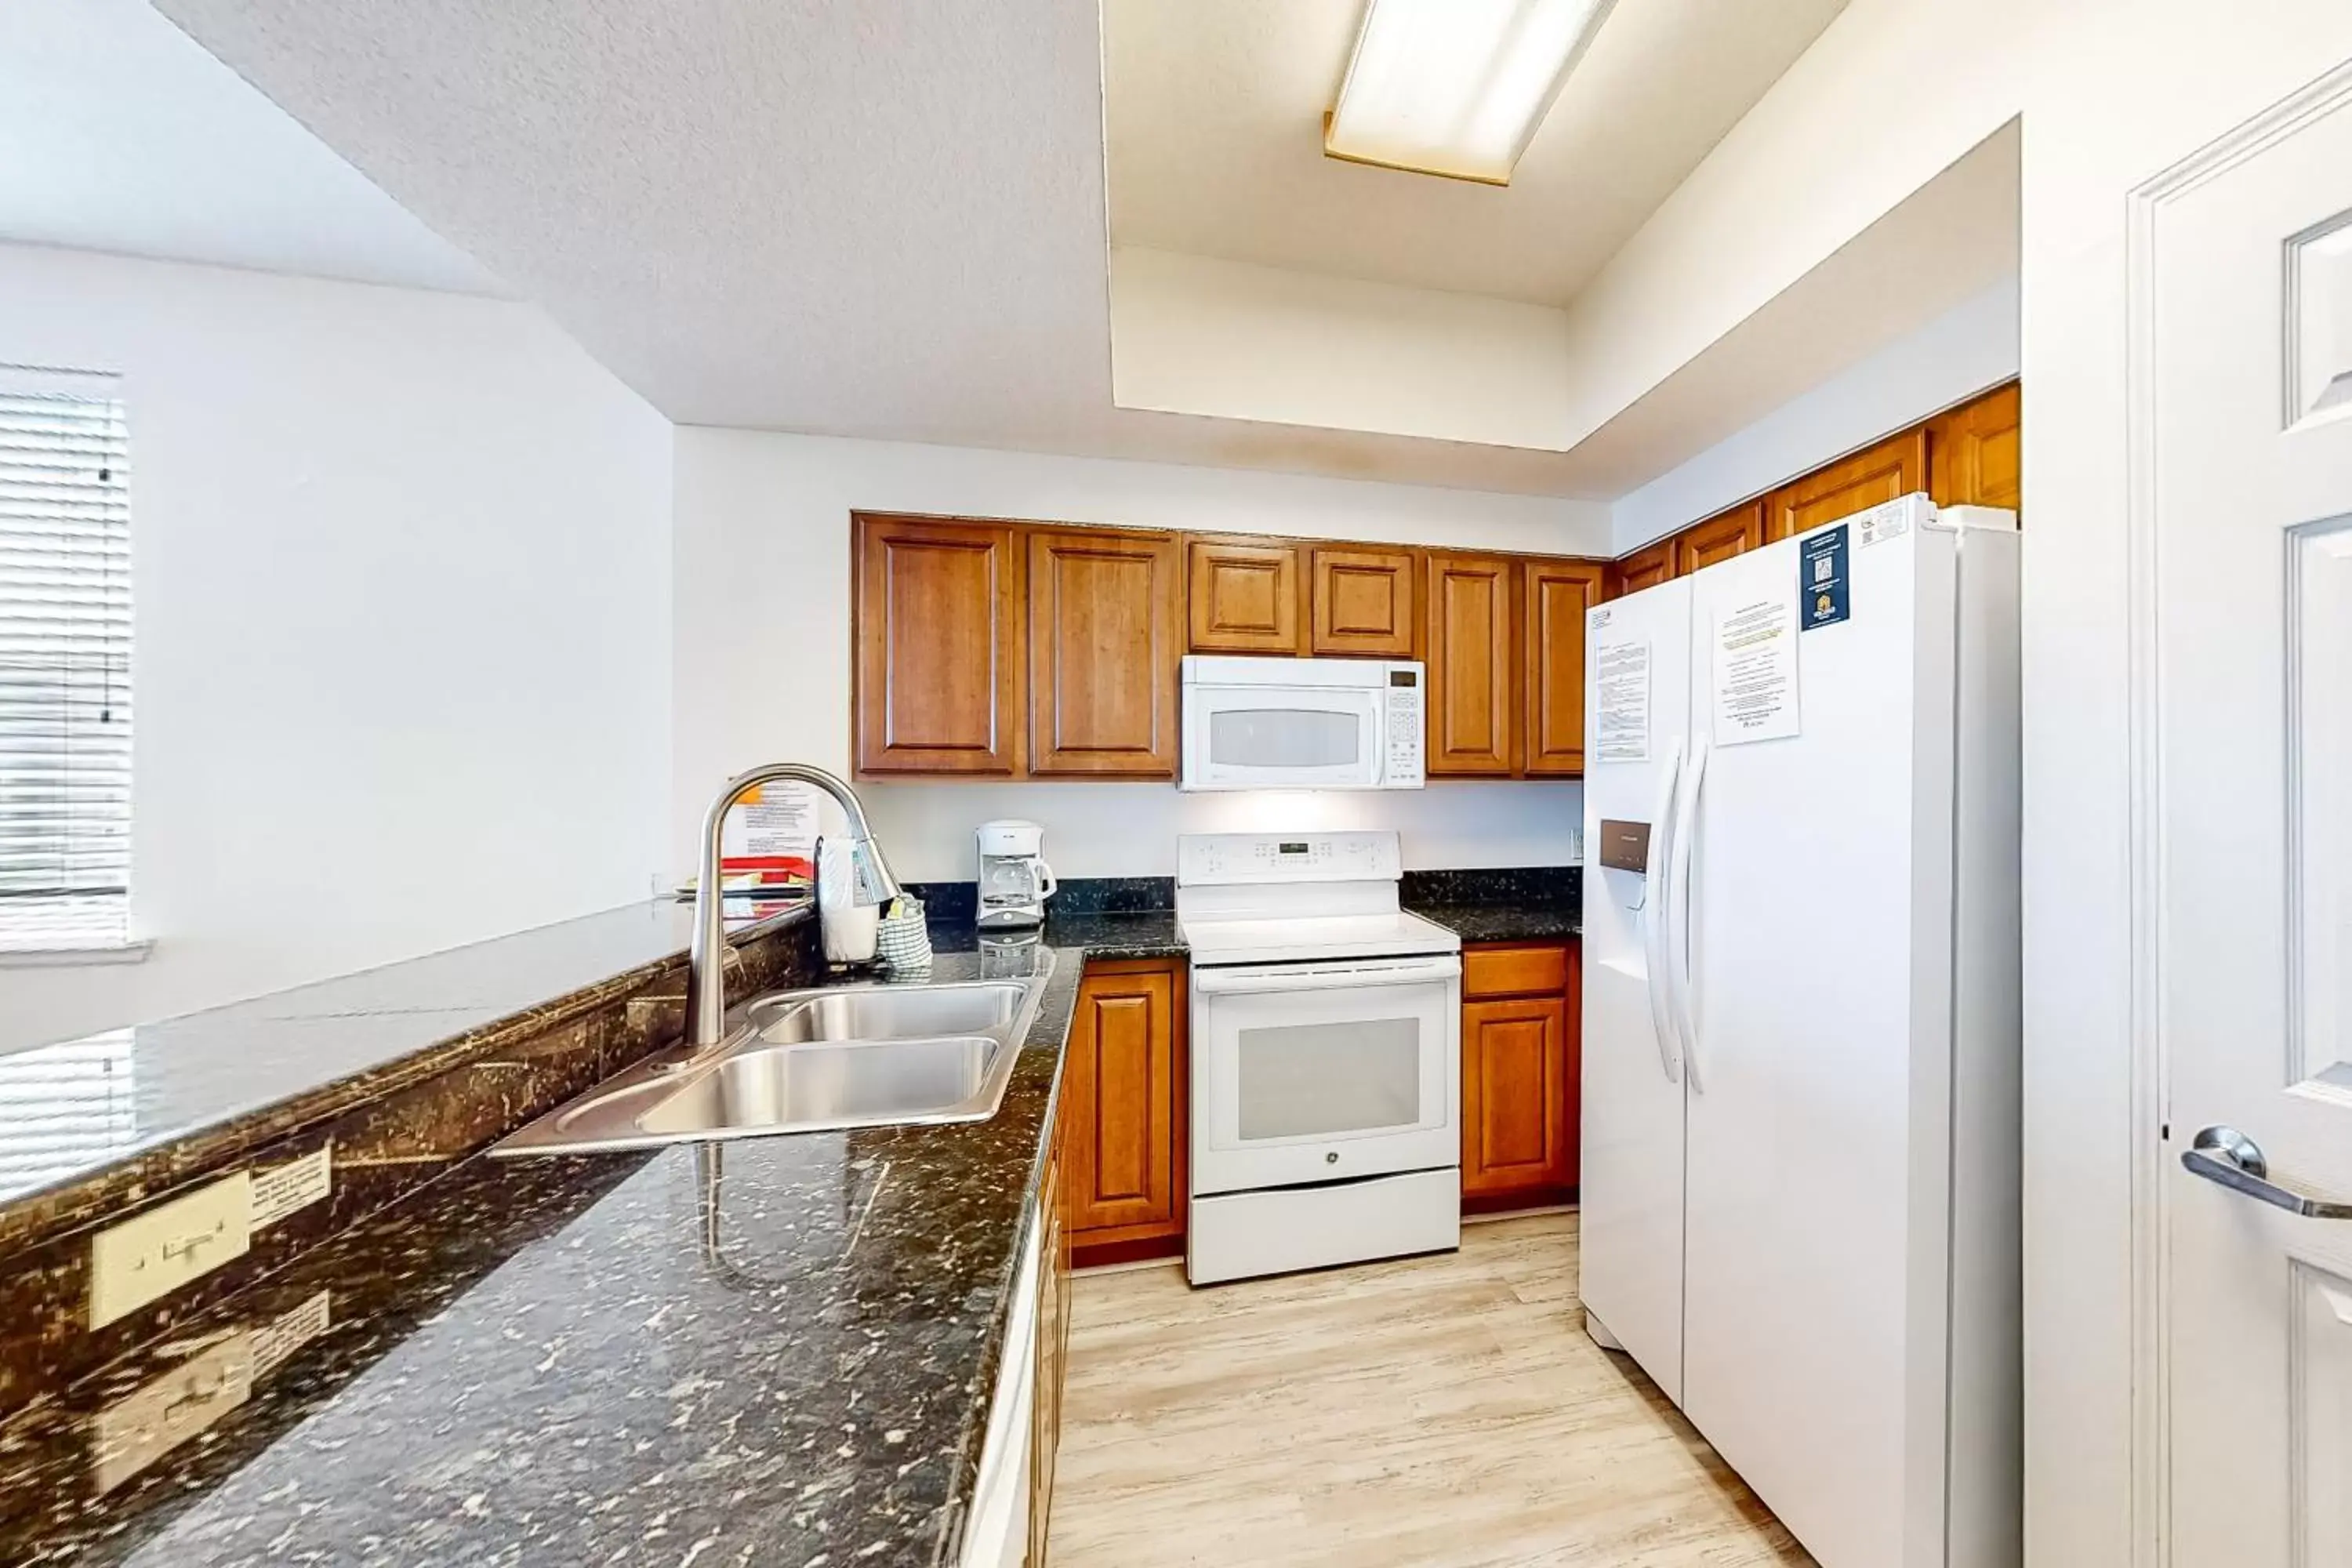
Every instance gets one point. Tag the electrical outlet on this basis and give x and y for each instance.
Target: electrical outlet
(140, 1429)
(150, 1257)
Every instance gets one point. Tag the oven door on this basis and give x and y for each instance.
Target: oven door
(1322, 1072)
(1284, 737)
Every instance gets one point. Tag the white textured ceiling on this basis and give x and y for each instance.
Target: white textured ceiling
(844, 217)
(1214, 123)
(119, 133)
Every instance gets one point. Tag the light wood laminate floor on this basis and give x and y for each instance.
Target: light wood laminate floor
(1443, 1411)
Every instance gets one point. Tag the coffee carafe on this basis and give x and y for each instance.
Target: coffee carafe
(1015, 880)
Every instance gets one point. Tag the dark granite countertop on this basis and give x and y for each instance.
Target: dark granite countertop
(1532, 921)
(303, 1053)
(773, 1350)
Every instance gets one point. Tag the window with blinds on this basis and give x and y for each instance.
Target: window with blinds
(65, 663)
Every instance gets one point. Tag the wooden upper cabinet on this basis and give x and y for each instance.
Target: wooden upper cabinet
(1473, 659)
(1242, 595)
(1894, 468)
(1720, 538)
(1645, 568)
(1973, 451)
(1362, 602)
(1122, 1093)
(1554, 596)
(1106, 634)
(937, 615)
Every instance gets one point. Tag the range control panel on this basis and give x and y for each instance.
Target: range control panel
(1208, 860)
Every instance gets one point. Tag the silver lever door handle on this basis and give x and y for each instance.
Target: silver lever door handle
(2226, 1155)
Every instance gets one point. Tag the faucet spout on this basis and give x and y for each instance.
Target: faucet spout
(705, 977)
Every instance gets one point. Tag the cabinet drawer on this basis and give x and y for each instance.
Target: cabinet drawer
(1535, 970)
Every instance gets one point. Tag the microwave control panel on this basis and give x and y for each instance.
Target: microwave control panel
(1404, 725)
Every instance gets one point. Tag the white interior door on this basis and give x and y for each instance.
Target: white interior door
(2250, 360)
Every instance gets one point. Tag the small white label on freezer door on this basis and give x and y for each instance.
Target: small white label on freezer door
(1622, 676)
(1755, 671)
(1889, 519)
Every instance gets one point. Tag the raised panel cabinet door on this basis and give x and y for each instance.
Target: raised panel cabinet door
(1242, 595)
(1720, 538)
(1104, 643)
(936, 618)
(1896, 466)
(1517, 1097)
(1362, 603)
(1555, 595)
(1474, 661)
(1123, 1085)
(1645, 568)
(1973, 451)
(1051, 1349)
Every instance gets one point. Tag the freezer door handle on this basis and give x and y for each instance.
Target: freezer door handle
(2226, 1155)
(1679, 990)
(1653, 922)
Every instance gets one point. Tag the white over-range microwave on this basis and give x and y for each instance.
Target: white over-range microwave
(1303, 723)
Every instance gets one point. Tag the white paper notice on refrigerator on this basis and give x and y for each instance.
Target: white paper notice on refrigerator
(1755, 671)
(1621, 675)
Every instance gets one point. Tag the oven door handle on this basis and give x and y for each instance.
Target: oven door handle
(1244, 982)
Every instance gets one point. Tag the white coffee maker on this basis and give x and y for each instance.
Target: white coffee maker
(1015, 880)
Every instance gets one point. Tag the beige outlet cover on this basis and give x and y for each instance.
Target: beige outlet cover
(151, 1256)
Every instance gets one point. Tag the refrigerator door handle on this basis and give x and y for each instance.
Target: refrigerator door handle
(1654, 922)
(1681, 1000)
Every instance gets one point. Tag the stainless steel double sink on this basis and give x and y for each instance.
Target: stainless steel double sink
(805, 1061)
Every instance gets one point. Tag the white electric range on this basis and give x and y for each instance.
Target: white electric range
(1327, 1060)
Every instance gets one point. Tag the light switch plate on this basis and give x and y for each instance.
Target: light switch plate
(151, 1256)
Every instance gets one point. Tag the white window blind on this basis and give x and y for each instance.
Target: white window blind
(65, 663)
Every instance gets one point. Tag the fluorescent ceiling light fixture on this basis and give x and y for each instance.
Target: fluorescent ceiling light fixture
(1456, 86)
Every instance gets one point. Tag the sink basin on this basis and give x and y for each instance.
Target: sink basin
(806, 1061)
(837, 1084)
(884, 1013)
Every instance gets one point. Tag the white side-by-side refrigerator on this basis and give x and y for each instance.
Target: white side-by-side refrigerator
(1800, 1178)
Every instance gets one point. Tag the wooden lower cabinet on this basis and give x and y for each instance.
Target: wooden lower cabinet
(1052, 1349)
(1521, 1067)
(1123, 1102)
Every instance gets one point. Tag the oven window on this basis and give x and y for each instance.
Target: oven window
(1306, 1080)
(1284, 738)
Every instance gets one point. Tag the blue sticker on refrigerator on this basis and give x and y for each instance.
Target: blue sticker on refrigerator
(1822, 579)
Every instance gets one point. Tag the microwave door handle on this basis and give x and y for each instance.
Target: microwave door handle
(1653, 919)
(1222, 982)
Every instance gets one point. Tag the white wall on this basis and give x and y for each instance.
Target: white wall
(1957, 355)
(402, 668)
(1191, 335)
(763, 647)
(1129, 829)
